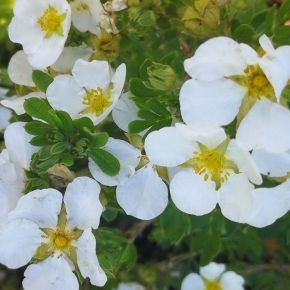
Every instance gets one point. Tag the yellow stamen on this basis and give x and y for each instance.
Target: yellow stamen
(212, 163)
(51, 22)
(60, 241)
(212, 285)
(256, 82)
(96, 101)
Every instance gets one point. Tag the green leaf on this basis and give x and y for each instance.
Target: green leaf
(39, 141)
(38, 108)
(173, 225)
(58, 148)
(107, 162)
(115, 252)
(41, 79)
(138, 89)
(212, 246)
(37, 128)
(67, 160)
(66, 122)
(244, 33)
(84, 122)
(99, 140)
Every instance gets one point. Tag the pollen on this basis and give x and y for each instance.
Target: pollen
(212, 285)
(60, 241)
(96, 101)
(51, 22)
(212, 164)
(256, 83)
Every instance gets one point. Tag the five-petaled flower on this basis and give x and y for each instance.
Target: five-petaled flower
(55, 232)
(42, 28)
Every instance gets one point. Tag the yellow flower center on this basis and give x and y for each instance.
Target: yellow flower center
(60, 241)
(256, 82)
(51, 22)
(212, 285)
(212, 163)
(97, 101)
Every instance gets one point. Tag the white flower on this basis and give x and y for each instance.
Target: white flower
(87, 15)
(228, 78)
(144, 195)
(20, 70)
(213, 277)
(130, 286)
(42, 28)
(214, 170)
(115, 5)
(5, 114)
(16, 103)
(140, 193)
(93, 90)
(266, 126)
(57, 232)
(125, 112)
(69, 56)
(13, 161)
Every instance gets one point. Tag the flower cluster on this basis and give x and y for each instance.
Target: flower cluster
(227, 134)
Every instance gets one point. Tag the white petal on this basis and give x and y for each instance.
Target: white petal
(11, 186)
(144, 195)
(18, 32)
(130, 286)
(212, 271)
(125, 112)
(19, 240)
(19, 69)
(87, 19)
(51, 47)
(128, 156)
(66, 95)
(54, 273)
(168, 147)
(87, 259)
(215, 58)
(266, 126)
(244, 161)
(18, 146)
(232, 281)
(210, 104)
(191, 194)
(69, 56)
(276, 68)
(192, 282)
(236, 200)
(272, 164)
(48, 52)
(92, 75)
(16, 104)
(269, 204)
(266, 44)
(41, 206)
(83, 193)
(5, 115)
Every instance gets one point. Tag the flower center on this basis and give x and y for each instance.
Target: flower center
(60, 241)
(96, 101)
(212, 163)
(51, 22)
(212, 285)
(256, 82)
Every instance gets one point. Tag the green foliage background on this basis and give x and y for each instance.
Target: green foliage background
(155, 38)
